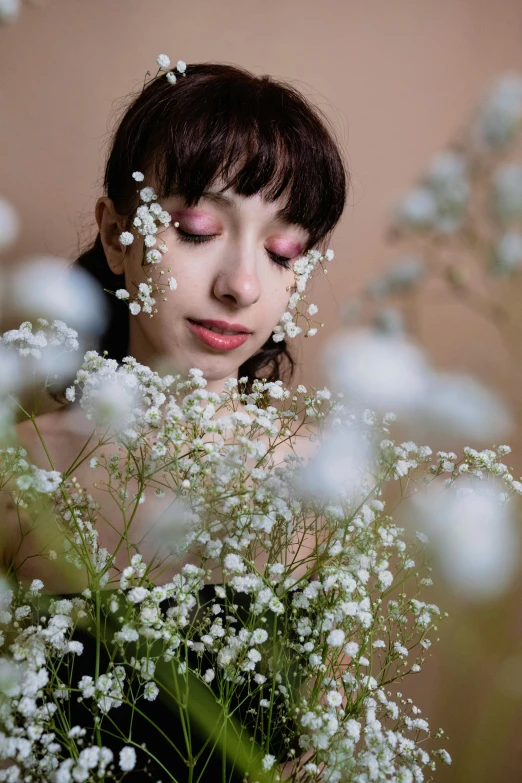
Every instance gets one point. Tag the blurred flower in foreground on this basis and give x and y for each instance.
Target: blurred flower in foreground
(507, 191)
(45, 287)
(499, 117)
(507, 254)
(402, 275)
(9, 223)
(28, 356)
(389, 372)
(9, 11)
(338, 468)
(460, 404)
(440, 199)
(176, 526)
(473, 534)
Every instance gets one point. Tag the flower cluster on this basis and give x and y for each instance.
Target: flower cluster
(441, 199)
(298, 307)
(149, 219)
(164, 65)
(29, 343)
(307, 627)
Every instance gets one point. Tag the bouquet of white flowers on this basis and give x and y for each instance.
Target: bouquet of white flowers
(270, 623)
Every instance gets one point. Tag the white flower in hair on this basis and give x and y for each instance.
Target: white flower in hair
(147, 194)
(163, 61)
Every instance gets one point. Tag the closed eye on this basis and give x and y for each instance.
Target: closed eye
(198, 239)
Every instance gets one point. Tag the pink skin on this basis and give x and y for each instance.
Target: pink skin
(230, 278)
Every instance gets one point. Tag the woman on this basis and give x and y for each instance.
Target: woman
(253, 179)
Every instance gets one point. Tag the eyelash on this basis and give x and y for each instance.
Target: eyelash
(198, 239)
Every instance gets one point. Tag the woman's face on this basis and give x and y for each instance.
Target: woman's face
(232, 259)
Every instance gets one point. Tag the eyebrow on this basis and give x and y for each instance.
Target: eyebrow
(226, 201)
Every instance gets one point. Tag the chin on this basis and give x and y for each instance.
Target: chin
(213, 368)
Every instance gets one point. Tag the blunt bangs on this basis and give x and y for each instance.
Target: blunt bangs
(253, 133)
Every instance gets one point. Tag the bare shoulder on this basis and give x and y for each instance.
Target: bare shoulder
(302, 443)
(49, 440)
(15, 524)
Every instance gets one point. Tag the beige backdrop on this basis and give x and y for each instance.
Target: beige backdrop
(398, 79)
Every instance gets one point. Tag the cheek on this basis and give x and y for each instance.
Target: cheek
(281, 290)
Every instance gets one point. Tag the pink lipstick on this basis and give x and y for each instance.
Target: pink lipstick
(219, 334)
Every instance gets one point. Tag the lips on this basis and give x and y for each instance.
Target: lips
(220, 335)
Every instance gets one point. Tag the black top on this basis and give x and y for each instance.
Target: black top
(205, 713)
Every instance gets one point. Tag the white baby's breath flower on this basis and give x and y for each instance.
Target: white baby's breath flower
(292, 330)
(36, 586)
(336, 638)
(138, 176)
(171, 77)
(122, 293)
(181, 66)
(259, 636)
(163, 61)
(127, 758)
(147, 194)
(172, 283)
(126, 238)
(268, 762)
(234, 563)
(334, 698)
(150, 691)
(153, 256)
(135, 308)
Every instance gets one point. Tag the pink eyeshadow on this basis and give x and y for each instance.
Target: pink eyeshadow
(197, 221)
(286, 249)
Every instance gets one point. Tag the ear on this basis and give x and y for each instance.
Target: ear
(110, 226)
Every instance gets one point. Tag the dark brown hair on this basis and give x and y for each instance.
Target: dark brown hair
(189, 134)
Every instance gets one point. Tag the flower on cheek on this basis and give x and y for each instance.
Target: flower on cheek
(303, 269)
(148, 221)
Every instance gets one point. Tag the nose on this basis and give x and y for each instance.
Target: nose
(237, 281)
